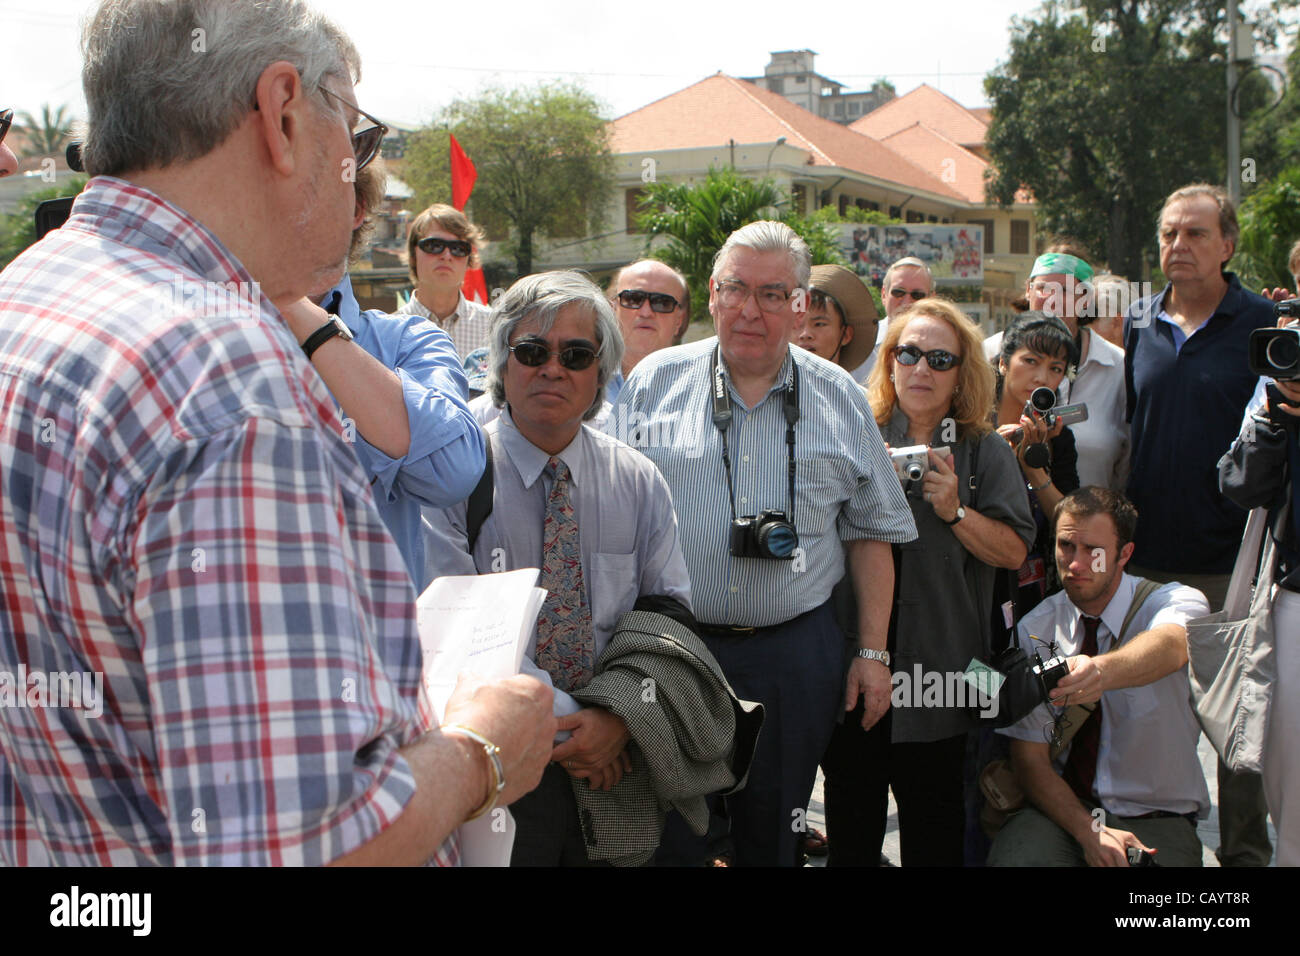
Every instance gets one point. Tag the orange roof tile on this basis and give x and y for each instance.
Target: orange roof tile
(955, 165)
(721, 108)
(929, 107)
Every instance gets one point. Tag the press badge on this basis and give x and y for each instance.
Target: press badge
(983, 678)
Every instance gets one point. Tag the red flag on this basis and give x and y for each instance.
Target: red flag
(474, 287)
(463, 175)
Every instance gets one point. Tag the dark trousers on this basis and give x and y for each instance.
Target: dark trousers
(860, 767)
(546, 820)
(796, 671)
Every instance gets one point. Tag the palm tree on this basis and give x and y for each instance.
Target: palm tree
(48, 135)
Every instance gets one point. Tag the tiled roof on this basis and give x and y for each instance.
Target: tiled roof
(721, 108)
(955, 165)
(929, 107)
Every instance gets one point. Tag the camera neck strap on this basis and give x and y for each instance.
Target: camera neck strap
(722, 416)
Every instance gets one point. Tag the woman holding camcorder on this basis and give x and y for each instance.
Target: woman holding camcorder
(931, 391)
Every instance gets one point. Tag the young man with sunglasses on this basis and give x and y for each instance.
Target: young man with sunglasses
(591, 513)
(441, 246)
(907, 281)
(654, 309)
(183, 513)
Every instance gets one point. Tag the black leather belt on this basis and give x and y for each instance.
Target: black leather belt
(1190, 817)
(733, 630)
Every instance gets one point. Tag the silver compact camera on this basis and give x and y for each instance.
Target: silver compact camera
(911, 463)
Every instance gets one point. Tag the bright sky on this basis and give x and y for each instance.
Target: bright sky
(418, 55)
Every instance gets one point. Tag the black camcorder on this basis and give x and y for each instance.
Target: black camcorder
(768, 534)
(1275, 353)
(1042, 404)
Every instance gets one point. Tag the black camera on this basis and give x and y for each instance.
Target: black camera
(1140, 857)
(1276, 352)
(1049, 672)
(767, 534)
(1042, 404)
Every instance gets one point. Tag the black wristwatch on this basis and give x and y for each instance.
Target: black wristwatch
(335, 326)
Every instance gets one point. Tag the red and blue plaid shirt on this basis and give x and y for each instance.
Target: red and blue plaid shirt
(182, 514)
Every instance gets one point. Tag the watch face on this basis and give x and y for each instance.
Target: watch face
(344, 331)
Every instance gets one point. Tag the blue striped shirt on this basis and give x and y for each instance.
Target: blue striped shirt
(845, 486)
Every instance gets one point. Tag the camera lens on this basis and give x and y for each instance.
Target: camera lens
(1043, 399)
(914, 471)
(779, 539)
(1283, 352)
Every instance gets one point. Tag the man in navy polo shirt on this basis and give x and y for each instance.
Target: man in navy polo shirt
(1188, 385)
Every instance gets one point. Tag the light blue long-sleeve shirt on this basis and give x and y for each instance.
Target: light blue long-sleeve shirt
(445, 458)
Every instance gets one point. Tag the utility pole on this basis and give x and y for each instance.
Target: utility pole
(1234, 121)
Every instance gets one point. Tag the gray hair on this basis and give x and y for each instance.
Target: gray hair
(769, 236)
(541, 297)
(168, 81)
(903, 263)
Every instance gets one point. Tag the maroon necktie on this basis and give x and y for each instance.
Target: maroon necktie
(1081, 765)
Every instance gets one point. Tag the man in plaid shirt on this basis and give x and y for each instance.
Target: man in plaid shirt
(180, 511)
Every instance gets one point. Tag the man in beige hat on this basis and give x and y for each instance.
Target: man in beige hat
(841, 320)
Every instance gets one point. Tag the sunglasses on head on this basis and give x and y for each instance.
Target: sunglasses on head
(939, 360)
(916, 294)
(434, 247)
(536, 354)
(366, 143)
(659, 301)
(6, 119)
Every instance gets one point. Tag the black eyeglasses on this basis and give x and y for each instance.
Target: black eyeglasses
(435, 247)
(6, 120)
(916, 294)
(659, 301)
(366, 143)
(938, 359)
(536, 354)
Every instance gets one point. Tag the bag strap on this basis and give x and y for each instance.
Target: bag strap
(1144, 590)
(479, 504)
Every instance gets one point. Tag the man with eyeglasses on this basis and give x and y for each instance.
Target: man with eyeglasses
(184, 515)
(591, 513)
(784, 478)
(654, 309)
(906, 281)
(441, 246)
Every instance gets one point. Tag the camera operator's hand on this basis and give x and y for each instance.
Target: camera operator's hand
(1083, 685)
(1277, 295)
(874, 682)
(1291, 392)
(940, 486)
(1110, 847)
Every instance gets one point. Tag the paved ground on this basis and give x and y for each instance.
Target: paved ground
(1208, 829)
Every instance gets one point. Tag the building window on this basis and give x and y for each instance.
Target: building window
(914, 216)
(839, 108)
(932, 218)
(775, 84)
(988, 234)
(854, 108)
(800, 79)
(895, 212)
(844, 204)
(1020, 237)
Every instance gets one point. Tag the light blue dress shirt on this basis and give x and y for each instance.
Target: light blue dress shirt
(445, 458)
(627, 532)
(845, 486)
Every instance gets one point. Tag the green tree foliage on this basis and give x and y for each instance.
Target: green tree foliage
(48, 135)
(1100, 116)
(1270, 223)
(543, 161)
(18, 229)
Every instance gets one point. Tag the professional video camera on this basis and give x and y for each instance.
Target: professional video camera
(1275, 353)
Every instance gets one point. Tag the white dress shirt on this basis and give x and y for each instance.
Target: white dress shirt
(1147, 755)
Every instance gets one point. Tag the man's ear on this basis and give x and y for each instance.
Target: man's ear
(280, 99)
(1125, 553)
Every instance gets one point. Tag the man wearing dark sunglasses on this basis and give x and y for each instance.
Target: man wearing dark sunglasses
(591, 513)
(8, 161)
(441, 246)
(908, 280)
(182, 508)
(653, 306)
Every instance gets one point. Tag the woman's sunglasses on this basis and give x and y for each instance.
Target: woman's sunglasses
(434, 247)
(536, 354)
(938, 359)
